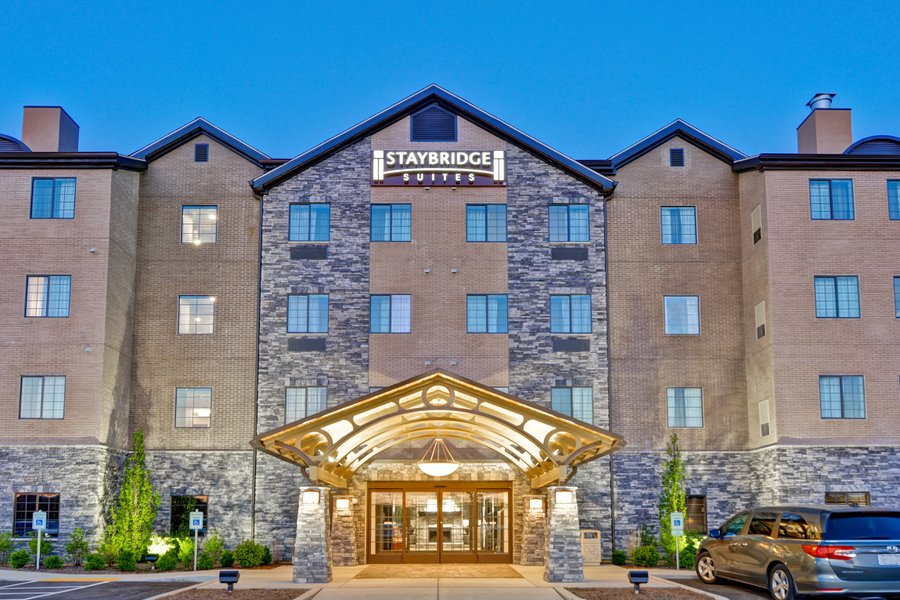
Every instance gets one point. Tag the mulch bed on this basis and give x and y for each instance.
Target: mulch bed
(257, 594)
(628, 594)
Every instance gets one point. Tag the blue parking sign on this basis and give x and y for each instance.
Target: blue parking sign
(39, 520)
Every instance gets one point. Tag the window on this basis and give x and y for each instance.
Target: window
(391, 222)
(763, 523)
(795, 527)
(486, 223)
(25, 505)
(180, 516)
(685, 407)
(199, 224)
(576, 402)
(570, 314)
(860, 498)
(837, 297)
(678, 224)
(842, 397)
(310, 223)
(682, 315)
(53, 198)
(831, 199)
(756, 224)
(893, 191)
(695, 513)
(390, 314)
(42, 397)
(433, 124)
(47, 295)
(734, 526)
(897, 297)
(569, 223)
(193, 406)
(195, 314)
(307, 313)
(486, 313)
(759, 313)
(201, 152)
(764, 420)
(301, 402)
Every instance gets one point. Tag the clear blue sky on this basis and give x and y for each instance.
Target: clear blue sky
(588, 78)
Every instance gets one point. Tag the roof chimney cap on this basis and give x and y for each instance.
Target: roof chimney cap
(820, 100)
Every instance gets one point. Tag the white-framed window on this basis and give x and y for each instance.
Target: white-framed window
(390, 313)
(685, 406)
(575, 402)
(682, 315)
(42, 397)
(196, 314)
(193, 406)
(301, 402)
(199, 224)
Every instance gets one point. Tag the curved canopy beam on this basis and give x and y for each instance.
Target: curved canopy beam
(333, 444)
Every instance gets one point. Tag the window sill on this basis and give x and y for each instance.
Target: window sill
(585, 243)
(310, 242)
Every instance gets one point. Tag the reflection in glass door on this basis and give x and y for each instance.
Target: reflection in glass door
(456, 522)
(422, 523)
(386, 511)
(493, 523)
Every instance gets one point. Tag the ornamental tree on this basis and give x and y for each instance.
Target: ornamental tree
(671, 496)
(135, 510)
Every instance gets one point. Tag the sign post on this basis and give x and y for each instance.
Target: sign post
(196, 518)
(676, 520)
(39, 524)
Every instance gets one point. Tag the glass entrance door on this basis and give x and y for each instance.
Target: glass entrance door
(457, 522)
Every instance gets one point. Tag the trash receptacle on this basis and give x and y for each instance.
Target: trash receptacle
(590, 546)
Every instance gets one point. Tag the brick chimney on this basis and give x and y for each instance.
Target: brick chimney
(826, 130)
(49, 129)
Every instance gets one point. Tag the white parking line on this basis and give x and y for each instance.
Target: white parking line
(15, 584)
(57, 590)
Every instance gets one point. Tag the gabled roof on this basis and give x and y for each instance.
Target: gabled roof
(433, 94)
(186, 133)
(681, 129)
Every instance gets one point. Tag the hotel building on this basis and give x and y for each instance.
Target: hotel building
(295, 336)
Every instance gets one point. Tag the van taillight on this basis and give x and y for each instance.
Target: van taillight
(832, 552)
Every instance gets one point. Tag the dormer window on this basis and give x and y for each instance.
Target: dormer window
(433, 124)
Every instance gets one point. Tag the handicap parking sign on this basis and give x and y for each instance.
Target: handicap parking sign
(39, 520)
(196, 519)
(677, 522)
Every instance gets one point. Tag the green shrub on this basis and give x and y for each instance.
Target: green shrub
(619, 557)
(645, 556)
(688, 557)
(77, 547)
(167, 562)
(205, 562)
(94, 562)
(126, 561)
(109, 550)
(267, 556)
(19, 558)
(227, 559)
(46, 546)
(186, 552)
(214, 546)
(53, 562)
(249, 554)
(6, 546)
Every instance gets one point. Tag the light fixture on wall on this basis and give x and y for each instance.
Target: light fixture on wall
(565, 497)
(342, 504)
(437, 461)
(309, 497)
(535, 504)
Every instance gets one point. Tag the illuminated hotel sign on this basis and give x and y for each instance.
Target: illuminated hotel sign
(438, 168)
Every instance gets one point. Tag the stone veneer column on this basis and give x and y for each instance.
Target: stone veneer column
(343, 533)
(534, 521)
(563, 556)
(312, 548)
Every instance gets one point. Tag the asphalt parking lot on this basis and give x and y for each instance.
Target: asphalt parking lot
(73, 589)
(732, 591)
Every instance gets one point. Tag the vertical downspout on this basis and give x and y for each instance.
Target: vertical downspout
(256, 374)
(612, 466)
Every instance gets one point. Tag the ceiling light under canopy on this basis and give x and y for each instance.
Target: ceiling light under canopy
(437, 461)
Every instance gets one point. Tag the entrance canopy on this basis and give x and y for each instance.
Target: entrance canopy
(330, 446)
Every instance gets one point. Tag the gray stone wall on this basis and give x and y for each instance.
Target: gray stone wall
(85, 477)
(534, 522)
(312, 550)
(224, 476)
(563, 558)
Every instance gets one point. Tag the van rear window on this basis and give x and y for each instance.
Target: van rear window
(863, 526)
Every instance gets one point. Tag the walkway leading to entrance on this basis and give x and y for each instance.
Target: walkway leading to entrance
(445, 571)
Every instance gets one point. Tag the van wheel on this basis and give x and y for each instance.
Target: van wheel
(781, 584)
(706, 569)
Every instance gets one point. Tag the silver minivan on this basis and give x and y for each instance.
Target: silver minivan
(797, 550)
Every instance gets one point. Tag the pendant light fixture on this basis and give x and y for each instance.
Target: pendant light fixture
(437, 461)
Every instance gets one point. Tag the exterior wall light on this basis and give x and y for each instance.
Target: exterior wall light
(565, 497)
(309, 497)
(342, 504)
(535, 504)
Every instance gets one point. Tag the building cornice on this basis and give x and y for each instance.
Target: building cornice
(818, 162)
(70, 160)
